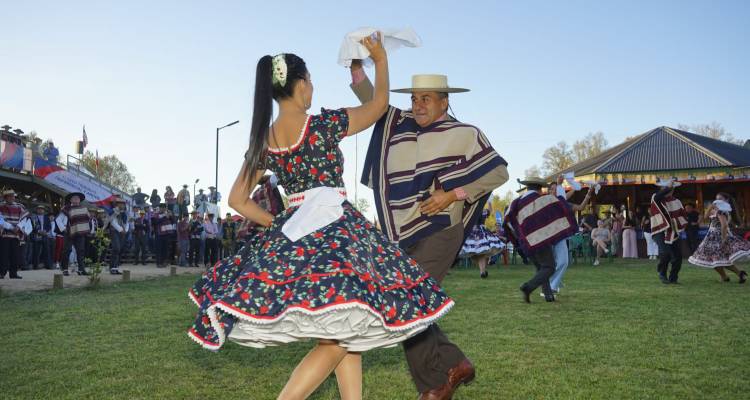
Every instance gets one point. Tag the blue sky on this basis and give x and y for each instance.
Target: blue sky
(152, 80)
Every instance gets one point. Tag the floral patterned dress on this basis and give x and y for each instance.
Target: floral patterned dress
(712, 253)
(343, 282)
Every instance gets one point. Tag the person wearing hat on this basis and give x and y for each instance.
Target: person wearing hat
(183, 201)
(212, 242)
(140, 235)
(166, 229)
(118, 229)
(229, 235)
(546, 220)
(196, 230)
(458, 169)
(668, 219)
(76, 228)
(11, 214)
(200, 202)
(214, 197)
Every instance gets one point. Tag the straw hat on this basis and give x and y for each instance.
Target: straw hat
(70, 195)
(430, 83)
(533, 180)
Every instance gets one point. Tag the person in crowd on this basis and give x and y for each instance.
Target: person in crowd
(200, 202)
(691, 231)
(140, 237)
(91, 250)
(155, 200)
(601, 237)
(229, 236)
(214, 197)
(212, 231)
(41, 228)
(183, 201)
(629, 236)
(196, 230)
(652, 249)
(165, 228)
(139, 198)
(721, 248)
(12, 212)
(617, 226)
(59, 222)
(76, 222)
(118, 229)
(183, 240)
(171, 199)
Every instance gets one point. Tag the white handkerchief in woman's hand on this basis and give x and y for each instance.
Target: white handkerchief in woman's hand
(352, 49)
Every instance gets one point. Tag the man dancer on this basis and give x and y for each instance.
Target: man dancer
(668, 220)
(427, 200)
(535, 222)
(76, 223)
(11, 212)
(118, 229)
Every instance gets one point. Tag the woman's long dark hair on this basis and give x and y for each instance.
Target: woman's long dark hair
(265, 92)
(735, 215)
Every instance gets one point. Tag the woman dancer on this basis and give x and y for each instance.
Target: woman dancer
(652, 249)
(320, 270)
(721, 248)
(481, 244)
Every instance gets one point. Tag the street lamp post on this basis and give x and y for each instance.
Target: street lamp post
(216, 177)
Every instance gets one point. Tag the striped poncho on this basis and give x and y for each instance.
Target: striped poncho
(536, 220)
(405, 163)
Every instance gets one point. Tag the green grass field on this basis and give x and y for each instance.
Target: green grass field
(616, 333)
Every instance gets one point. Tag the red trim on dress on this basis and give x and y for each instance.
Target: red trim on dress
(448, 302)
(297, 145)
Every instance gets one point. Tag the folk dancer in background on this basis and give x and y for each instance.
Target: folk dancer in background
(76, 223)
(118, 229)
(722, 248)
(561, 248)
(535, 222)
(11, 212)
(668, 219)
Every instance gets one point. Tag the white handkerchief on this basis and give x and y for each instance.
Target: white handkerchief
(322, 206)
(570, 178)
(352, 49)
(723, 206)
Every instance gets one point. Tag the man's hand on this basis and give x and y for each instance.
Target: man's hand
(439, 200)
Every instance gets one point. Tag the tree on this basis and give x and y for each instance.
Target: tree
(532, 171)
(557, 158)
(714, 130)
(111, 171)
(590, 146)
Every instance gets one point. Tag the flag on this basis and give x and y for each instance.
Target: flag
(85, 138)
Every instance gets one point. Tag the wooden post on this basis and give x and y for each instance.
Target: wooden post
(57, 281)
(172, 271)
(699, 197)
(126, 275)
